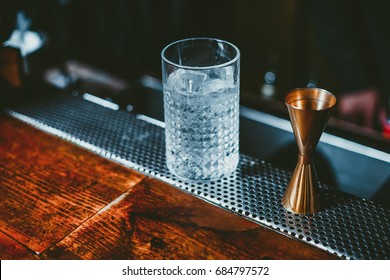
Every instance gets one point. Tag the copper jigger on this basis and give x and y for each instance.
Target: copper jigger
(309, 110)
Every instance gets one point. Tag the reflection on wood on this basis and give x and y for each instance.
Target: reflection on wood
(12, 250)
(49, 187)
(156, 221)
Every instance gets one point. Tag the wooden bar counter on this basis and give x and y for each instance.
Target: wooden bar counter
(60, 201)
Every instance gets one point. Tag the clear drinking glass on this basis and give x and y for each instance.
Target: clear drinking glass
(201, 78)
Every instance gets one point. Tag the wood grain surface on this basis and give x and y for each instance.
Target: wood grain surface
(49, 187)
(59, 201)
(156, 221)
(12, 250)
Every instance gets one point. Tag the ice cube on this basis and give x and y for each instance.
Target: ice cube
(216, 85)
(226, 74)
(229, 75)
(170, 81)
(173, 79)
(186, 81)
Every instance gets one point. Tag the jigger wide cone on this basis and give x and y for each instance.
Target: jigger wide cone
(309, 110)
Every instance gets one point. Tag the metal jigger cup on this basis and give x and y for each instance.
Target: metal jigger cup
(309, 110)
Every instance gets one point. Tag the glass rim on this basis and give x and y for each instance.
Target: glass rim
(233, 60)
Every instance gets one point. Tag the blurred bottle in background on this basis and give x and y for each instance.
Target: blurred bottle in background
(354, 36)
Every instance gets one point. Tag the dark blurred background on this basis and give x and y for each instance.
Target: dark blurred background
(278, 39)
(125, 37)
(284, 44)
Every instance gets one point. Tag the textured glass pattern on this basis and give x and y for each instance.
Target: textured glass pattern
(202, 133)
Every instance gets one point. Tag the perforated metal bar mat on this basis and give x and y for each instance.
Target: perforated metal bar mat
(347, 226)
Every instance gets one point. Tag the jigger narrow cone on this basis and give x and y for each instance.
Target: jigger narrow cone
(309, 110)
